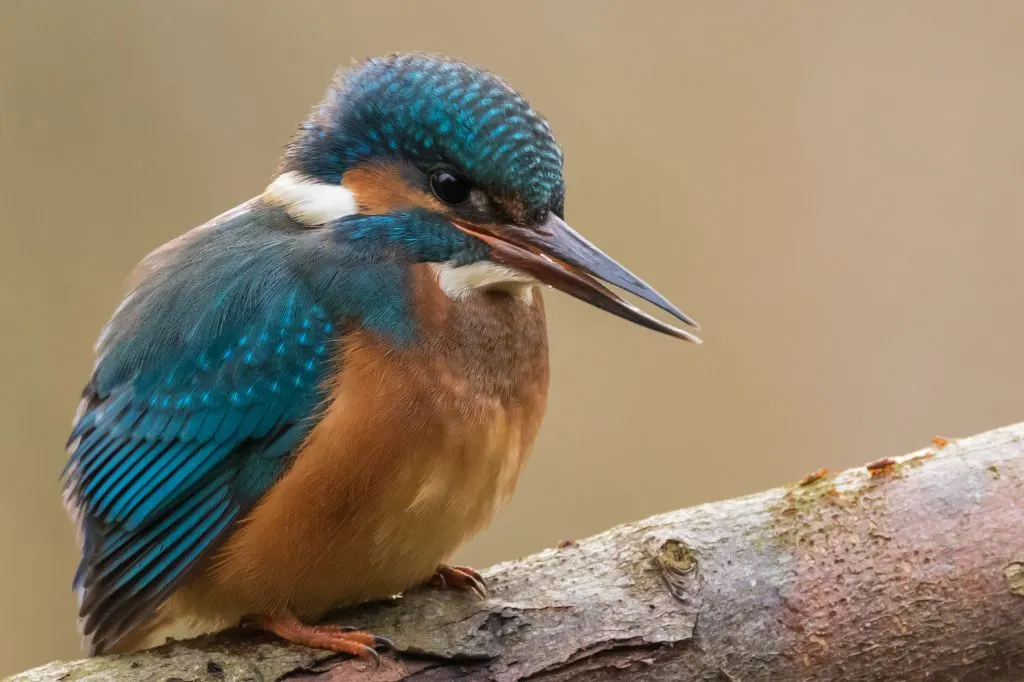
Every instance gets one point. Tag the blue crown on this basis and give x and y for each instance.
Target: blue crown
(431, 111)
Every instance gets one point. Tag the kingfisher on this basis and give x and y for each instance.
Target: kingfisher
(313, 399)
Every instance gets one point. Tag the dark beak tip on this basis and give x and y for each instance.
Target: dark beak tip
(678, 314)
(689, 321)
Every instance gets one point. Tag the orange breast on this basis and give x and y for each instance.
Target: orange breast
(416, 452)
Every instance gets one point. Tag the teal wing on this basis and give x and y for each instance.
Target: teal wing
(208, 378)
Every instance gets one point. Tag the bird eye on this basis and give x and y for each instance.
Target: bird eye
(449, 188)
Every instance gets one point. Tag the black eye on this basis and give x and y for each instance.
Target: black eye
(449, 188)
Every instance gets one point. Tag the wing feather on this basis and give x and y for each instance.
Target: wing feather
(191, 415)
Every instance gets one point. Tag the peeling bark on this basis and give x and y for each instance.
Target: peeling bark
(909, 569)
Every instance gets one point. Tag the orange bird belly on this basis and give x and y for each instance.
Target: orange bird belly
(414, 454)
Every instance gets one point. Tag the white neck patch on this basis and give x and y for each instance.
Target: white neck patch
(309, 201)
(458, 282)
(313, 202)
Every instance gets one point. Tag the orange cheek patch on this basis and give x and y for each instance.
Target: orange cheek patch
(380, 188)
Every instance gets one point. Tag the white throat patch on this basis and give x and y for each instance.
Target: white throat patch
(458, 282)
(312, 202)
(309, 201)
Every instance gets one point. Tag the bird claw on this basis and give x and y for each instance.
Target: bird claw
(341, 639)
(383, 643)
(461, 578)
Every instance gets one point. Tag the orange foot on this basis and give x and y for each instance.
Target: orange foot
(461, 578)
(345, 640)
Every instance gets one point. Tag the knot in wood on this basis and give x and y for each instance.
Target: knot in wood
(678, 564)
(1014, 574)
(676, 556)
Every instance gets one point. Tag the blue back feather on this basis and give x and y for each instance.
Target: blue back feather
(208, 378)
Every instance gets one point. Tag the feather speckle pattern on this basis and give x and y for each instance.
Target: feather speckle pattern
(185, 427)
(426, 109)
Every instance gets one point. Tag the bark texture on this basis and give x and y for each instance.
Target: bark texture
(907, 569)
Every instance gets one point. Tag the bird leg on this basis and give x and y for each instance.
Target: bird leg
(461, 578)
(337, 638)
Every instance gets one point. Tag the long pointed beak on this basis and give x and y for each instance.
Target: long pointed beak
(556, 254)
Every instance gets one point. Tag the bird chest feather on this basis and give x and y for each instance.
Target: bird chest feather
(416, 451)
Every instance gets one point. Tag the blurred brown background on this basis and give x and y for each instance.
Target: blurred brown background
(833, 189)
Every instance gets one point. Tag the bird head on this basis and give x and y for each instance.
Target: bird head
(436, 160)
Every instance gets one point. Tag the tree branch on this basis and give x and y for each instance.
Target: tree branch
(909, 569)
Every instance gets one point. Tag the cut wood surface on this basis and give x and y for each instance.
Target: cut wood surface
(910, 568)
